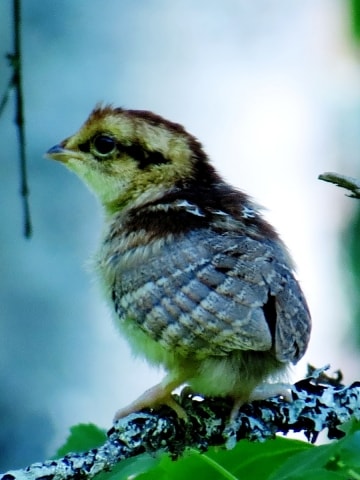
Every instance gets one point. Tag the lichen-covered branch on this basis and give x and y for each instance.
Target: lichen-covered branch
(350, 183)
(318, 403)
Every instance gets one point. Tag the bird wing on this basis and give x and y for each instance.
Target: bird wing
(211, 293)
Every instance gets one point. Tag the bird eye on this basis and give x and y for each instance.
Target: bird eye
(104, 144)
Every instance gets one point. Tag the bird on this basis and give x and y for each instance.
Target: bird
(199, 283)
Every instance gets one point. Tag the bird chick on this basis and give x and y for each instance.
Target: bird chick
(198, 281)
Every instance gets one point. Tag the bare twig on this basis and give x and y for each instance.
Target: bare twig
(19, 117)
(15, 83)
(350, 183)
(316, 405)
(5, 96)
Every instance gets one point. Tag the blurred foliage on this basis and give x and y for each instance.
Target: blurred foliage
(352, 251)
(82, 437)
(355, 18)
(280, 459)
(351, 240)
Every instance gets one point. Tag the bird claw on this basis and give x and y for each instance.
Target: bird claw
(155, 397)
(262, 392)
(142, 403)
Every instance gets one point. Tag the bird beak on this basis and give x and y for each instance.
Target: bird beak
(58, 152)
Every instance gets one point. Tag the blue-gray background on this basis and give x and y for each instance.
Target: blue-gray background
(270, 87)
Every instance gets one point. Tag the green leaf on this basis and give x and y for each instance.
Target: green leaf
(339, 459)
(249, 459)
(246, 460)
(320, 474)
(349, 450)
(82, 437)
(133, 468)
(305, 463)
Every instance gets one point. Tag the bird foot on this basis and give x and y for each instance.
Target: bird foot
(262, 392)
(156, 396)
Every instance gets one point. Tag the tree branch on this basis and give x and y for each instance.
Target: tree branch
(350, 183)
(319, 402)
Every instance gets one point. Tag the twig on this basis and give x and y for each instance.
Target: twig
(15, 83)
(350, 183)
(19, 117)
(315, 406)
(5, 97)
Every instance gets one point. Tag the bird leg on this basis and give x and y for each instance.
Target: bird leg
(262, 392)
(158, 395)
(268, 390)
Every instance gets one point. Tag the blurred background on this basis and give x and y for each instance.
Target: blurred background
(272, 90)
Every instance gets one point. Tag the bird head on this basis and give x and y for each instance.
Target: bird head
(130, 157)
